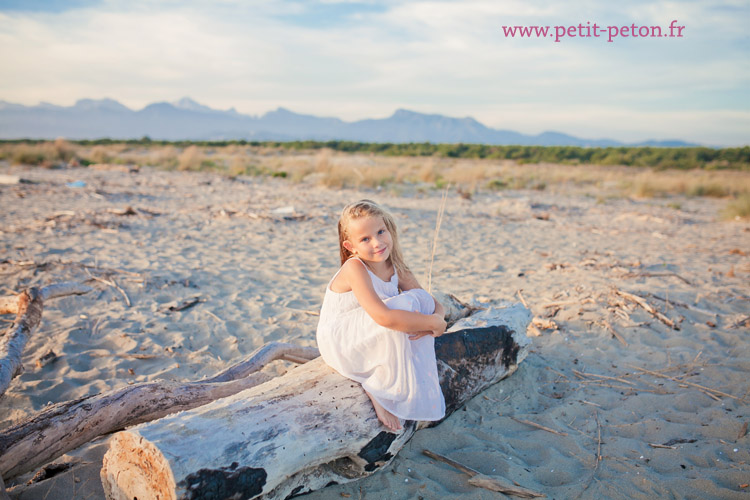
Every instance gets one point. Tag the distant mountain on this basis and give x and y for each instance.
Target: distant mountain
(186, 119)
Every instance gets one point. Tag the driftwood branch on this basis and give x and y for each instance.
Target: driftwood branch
(28, 309)
(486, 482)
(648, 307)
(62, 427)
(298, 432)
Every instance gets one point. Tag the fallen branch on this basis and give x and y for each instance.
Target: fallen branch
(489, 483)
(62, 427)
(698, 386)
(28, 309)
(642, 302)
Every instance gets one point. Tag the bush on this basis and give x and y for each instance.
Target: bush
(190, 159)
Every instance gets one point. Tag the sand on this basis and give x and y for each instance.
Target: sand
(258, 252)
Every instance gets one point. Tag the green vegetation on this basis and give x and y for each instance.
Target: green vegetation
(657, 158)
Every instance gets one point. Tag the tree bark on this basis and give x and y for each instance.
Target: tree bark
(62, 427)
(28, 308)
(301, 431)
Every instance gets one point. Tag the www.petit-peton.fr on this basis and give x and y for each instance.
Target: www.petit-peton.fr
(590, 30)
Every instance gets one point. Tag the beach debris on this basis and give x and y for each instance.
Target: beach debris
(28, 308)
(522, 299)
(46, 359)
(122, 211)
(714, 393)
(185, 304)
(476, 478)
(614, 332)
(744, 322)
(9, 179)
(544, 324)
(76, 184)
(329, 432)
(538, 426)
(656, 275)
(51, 470)
(648, 307)
(743, 431)
(111, 282)
(62, 427)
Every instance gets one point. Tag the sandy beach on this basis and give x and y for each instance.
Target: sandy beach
(663, 407)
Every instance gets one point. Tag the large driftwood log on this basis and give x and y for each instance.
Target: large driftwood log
(62, 427)
(301, 431)
(28, 307)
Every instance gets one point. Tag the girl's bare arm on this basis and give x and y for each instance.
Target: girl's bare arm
(356, 276)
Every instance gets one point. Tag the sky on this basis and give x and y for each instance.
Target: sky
(356, 59)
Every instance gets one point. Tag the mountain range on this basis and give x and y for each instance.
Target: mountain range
(186, 119)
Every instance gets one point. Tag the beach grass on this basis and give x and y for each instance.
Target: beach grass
(337, 169)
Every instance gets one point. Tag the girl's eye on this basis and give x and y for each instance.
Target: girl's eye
(381, 231)
(365, 239)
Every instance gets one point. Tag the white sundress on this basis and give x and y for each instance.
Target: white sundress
(401, 374)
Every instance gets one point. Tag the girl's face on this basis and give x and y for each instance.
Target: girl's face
(369, 239)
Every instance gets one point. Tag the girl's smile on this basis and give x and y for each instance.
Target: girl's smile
(369, 239)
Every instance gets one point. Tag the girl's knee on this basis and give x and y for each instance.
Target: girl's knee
(423, 300)
(403, 302)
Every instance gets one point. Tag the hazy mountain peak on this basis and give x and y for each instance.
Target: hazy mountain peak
(97, 104)
(189, 104)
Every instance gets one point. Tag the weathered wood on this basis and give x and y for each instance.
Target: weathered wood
(9, 303)
(62, 427)
(28, 309)
(3, 493)
(301, 431)
(15, 338)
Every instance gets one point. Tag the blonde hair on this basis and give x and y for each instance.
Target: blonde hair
(368, 208)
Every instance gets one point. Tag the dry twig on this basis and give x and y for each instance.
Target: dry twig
(698, 386)
(642, 302)
(486, 482)
(438, 222)
(538, 426)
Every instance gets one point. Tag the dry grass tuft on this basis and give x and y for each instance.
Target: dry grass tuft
(738, 208)
(190, 159)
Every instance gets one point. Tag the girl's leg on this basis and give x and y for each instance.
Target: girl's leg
(416, 300)
(386, 418)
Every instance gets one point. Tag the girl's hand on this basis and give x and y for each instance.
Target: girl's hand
(439, 325)
(419, 335)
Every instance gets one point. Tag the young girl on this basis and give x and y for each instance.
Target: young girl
(371, 333)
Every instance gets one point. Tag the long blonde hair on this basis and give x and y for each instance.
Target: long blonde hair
(368, 208)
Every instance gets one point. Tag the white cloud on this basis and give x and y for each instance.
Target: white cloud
(433, 56)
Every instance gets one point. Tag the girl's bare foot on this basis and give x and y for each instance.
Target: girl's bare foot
(387, 418)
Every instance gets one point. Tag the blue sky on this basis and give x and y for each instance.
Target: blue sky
(365, 59)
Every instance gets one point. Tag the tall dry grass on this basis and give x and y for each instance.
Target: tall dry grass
(337, 170)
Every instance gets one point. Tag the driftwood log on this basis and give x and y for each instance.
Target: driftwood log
(28, 307)
(65, 426)
(301, 431)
